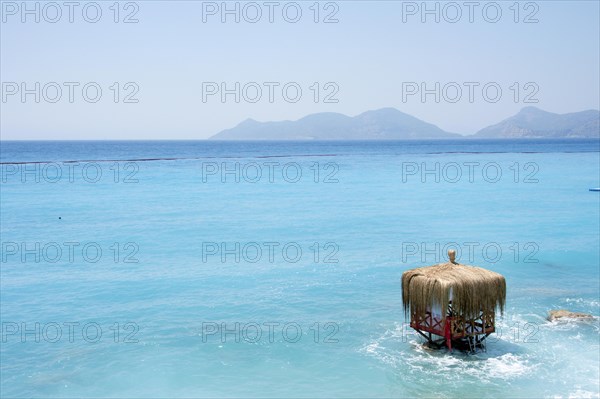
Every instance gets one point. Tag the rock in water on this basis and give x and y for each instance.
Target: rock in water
(565, 314)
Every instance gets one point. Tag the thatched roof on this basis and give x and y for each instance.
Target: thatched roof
(472, 288)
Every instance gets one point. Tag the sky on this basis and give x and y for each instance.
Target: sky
(187, 69)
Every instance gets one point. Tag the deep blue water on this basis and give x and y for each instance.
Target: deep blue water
(202, 269)
(23, 151)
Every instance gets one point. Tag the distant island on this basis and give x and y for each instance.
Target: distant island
(391, 124)
(532, 122)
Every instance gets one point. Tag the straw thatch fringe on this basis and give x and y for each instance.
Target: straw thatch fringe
(473, 290)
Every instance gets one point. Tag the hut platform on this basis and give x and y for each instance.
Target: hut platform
(453, 305)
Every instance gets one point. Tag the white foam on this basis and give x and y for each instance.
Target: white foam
(584, 394)
(581, 301)
(415, 357)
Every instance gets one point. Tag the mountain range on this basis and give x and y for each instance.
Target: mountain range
(391, 124)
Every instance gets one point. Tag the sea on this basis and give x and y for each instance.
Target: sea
(190, 269)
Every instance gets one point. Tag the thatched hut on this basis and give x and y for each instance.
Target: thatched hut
(453, 303)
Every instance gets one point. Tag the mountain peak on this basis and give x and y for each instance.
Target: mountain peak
(532, 110)
(387, 111)
(248, 121)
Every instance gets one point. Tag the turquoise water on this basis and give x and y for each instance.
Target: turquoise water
(193, 267)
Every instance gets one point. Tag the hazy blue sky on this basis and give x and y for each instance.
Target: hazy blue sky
(370, 54)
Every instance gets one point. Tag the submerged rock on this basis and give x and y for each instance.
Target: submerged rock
(566, 314)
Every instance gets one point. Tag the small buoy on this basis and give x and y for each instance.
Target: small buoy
(59, 217)
(595, 189)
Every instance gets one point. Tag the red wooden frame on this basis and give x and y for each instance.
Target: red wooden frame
(454, 327)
